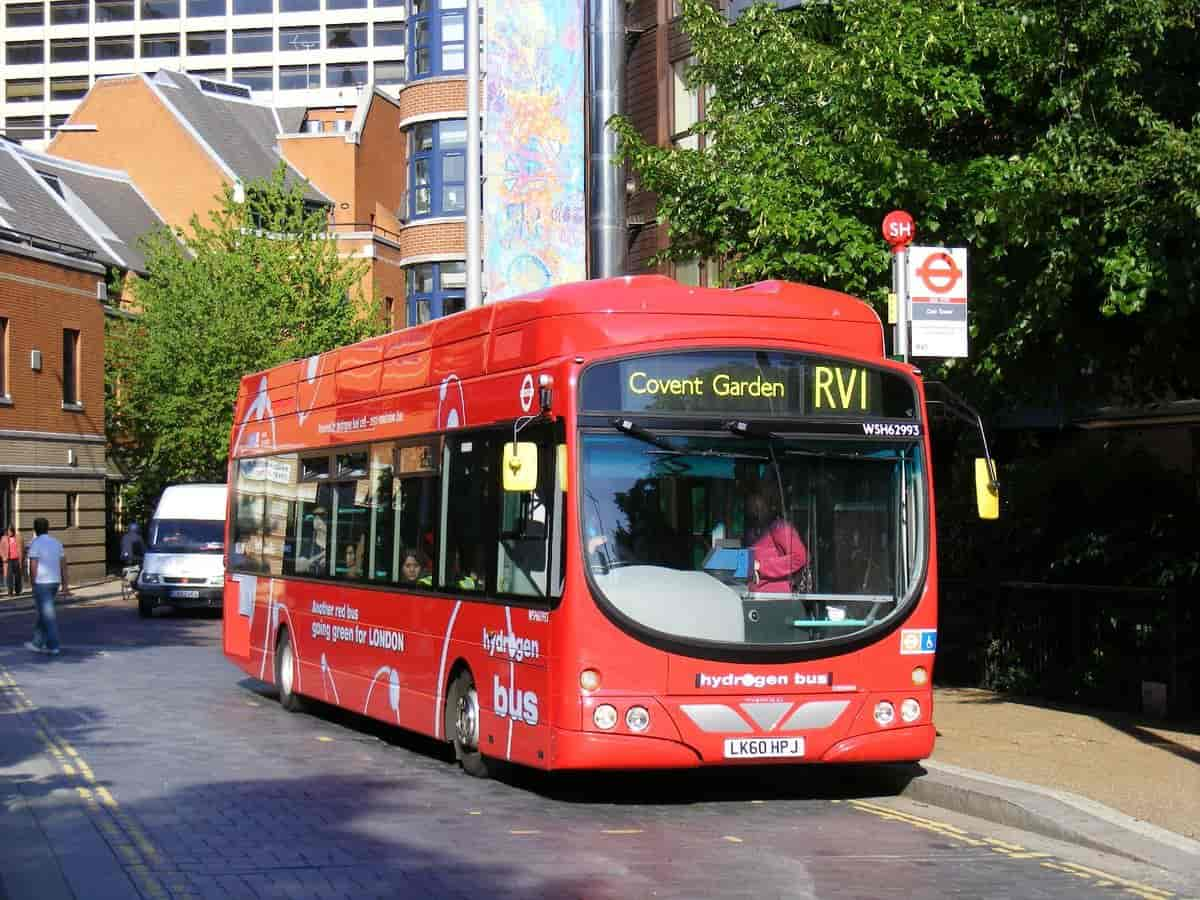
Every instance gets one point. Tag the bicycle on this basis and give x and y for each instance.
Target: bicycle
(129, 579)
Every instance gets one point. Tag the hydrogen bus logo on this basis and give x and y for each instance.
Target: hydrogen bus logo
(452, 405)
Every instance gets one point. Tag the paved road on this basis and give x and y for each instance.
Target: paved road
(140, 764)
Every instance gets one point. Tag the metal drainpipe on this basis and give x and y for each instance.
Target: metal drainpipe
(474, 293)
(607, 241)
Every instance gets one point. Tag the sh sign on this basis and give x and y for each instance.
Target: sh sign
(937, 289)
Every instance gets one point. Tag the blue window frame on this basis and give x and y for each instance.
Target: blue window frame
(437, 170)
(435, 290)
(437, 37)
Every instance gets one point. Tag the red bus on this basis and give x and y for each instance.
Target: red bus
(621, 524)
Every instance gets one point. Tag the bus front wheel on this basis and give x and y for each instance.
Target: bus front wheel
(462, 725)
(285, 674)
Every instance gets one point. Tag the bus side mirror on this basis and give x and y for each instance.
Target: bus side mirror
(987, 491)
(520, 464)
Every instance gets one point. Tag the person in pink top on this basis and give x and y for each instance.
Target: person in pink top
(779, 552)
(12, 552)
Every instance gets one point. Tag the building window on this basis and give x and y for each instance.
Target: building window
(389, 34)
(160, 9)
(389, 313)
(686, 107)
(299, 78)
(345, 37)
(215, 74)
(380, 3)
(286, 6)
(437, 173)
(24, 53)
(70, 367)
(20, 15)
(251, 7)
(157, 46)
(57, 122)
(69, 12)
(25, 128)
(114, 47)
(345, 4)
(345, 74)
(72, 509)
(23, 15)
(390, 71)
(252, 40)
(436, 290)
(255, 79)
(198, 8)
(697, 273)
(24, 90)
(306, 38)
(70, 88)
(3, 357)
(69, 50)
(114, 10)
(437, 37)
(206, 43)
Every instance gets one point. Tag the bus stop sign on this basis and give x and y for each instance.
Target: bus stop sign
(898, 229)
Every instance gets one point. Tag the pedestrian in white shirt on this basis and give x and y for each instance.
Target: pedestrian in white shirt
(48, 573)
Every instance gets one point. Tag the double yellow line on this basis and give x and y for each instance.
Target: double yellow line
(1014, 851)
(138, 855)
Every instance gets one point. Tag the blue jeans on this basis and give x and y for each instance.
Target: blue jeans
(45, 630)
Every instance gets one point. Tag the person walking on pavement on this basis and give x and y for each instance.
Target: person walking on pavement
(133, 548)
(48, 573)
(12, 552)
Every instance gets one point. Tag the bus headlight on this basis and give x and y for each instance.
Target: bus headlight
(910, 710)
(605, 716)
(637, 718)
(589, 679)
(885, 713)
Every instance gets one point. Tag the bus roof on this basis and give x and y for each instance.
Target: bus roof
(603, 313)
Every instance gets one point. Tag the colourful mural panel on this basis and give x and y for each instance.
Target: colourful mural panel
(534, 222)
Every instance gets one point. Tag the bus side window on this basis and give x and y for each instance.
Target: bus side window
(522, 557)
(472, 481)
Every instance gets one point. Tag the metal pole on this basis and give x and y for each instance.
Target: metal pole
(474, 296)
(900, 289)
(607, 240)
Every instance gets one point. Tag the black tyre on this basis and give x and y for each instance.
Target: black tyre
(145, 607)
(462, 726)
(285, 674)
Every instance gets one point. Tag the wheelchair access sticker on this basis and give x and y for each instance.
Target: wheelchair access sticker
(914, 641)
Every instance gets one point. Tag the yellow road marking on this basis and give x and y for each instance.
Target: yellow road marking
(622, 831)
(524, 831)
(324, 739)
(474, 812)
(732, 839)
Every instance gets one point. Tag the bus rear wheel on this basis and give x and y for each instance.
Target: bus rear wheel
(462, 725)
(285, 674)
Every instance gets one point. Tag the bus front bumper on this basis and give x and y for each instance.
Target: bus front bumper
(595, 750)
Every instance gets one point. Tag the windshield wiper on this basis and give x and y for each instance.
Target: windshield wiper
(634, 430)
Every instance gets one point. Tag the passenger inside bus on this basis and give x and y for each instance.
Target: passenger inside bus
(780, 557)
(353, 567)
(311, 559)
(413, 569)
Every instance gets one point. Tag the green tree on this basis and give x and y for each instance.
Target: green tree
(1057, 140)
(259, 284)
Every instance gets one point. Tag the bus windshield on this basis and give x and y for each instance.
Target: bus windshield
(186, 536)
(762, 540)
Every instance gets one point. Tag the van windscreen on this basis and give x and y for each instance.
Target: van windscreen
(187, 536)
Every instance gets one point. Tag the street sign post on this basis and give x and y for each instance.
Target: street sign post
(899, 230)
(937, 293)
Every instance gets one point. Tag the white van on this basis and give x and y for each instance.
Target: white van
(185, 549)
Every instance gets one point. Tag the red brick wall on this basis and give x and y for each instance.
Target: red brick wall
(40, 299)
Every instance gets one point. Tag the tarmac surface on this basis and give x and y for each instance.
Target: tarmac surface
(1113, 783)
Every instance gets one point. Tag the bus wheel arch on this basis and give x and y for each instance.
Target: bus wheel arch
(285, 672)
(462, 721)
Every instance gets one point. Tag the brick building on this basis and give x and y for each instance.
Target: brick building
(66, 231)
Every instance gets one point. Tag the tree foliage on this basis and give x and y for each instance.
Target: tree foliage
(1057, 140)
(259, 284)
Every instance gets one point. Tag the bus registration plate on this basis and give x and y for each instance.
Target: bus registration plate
(748, 748)
(186, 595)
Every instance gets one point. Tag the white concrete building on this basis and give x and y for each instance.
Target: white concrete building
(288, 52)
